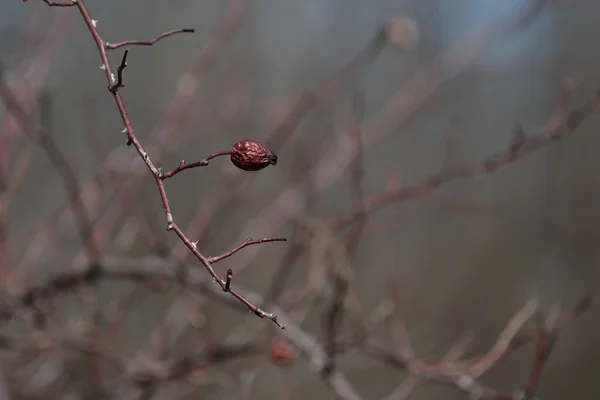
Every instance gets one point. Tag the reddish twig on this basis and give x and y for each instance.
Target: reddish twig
(559, 125)
(546, 342)
(284, 129)
(154, 170)
(202, 163)
(173, 117)
(112, 46)
(161, 134)
(327, 87)
(42, 137)
(410, 98)
(245, 243)
(27, 85)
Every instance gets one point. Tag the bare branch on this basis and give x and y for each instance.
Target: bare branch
(245, 243)
(112, 46)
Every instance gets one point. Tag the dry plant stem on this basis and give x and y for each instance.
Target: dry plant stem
(560, 125)
(28, 85)
(20, 171)
(141, 270)
(411, 97)
(163, 131)
(358, 172)
(112, 46)
(245, 243)
(326, 88)
(161, 134)
(342, 285)
(5, 267)
(7, 195)
(152, 241)
(463, 374)
(33, 35)
(283, 131)
(175, 114)
(202, 163)
(40, 136)
(154, 170)
(546, 342)
(405, 389)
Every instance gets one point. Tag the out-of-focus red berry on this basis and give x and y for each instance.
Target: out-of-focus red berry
(281, 353)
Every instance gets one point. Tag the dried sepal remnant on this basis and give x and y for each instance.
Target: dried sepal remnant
(251, 155)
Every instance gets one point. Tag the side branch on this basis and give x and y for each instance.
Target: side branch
(67, 3)
(202, 163)
(561, 125)
(112, 46)
(245, 243)
(132, 139)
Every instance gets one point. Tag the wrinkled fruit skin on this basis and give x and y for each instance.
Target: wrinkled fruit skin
(251, 155)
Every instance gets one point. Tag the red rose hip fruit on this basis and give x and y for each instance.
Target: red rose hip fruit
(251, 155)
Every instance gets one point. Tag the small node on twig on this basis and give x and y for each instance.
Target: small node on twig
(95, 22)
(276, 321)
(272, 317)
(228, 278)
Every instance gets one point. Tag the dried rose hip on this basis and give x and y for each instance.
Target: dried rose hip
(251, 155)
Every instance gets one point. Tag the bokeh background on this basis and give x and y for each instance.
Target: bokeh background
(467, 257)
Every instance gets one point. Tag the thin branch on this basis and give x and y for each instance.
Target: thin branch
(245, 243)
(132, 138)
(68, 3)
(561, 124)
(164, 130)
(202, 163)
(285, 128)
(409, 99)
(546, 342)
(42, 137)
(112, 46)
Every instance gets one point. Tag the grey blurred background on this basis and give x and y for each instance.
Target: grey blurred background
(460, 272)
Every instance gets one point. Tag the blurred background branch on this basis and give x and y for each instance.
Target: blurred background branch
(437, 192)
